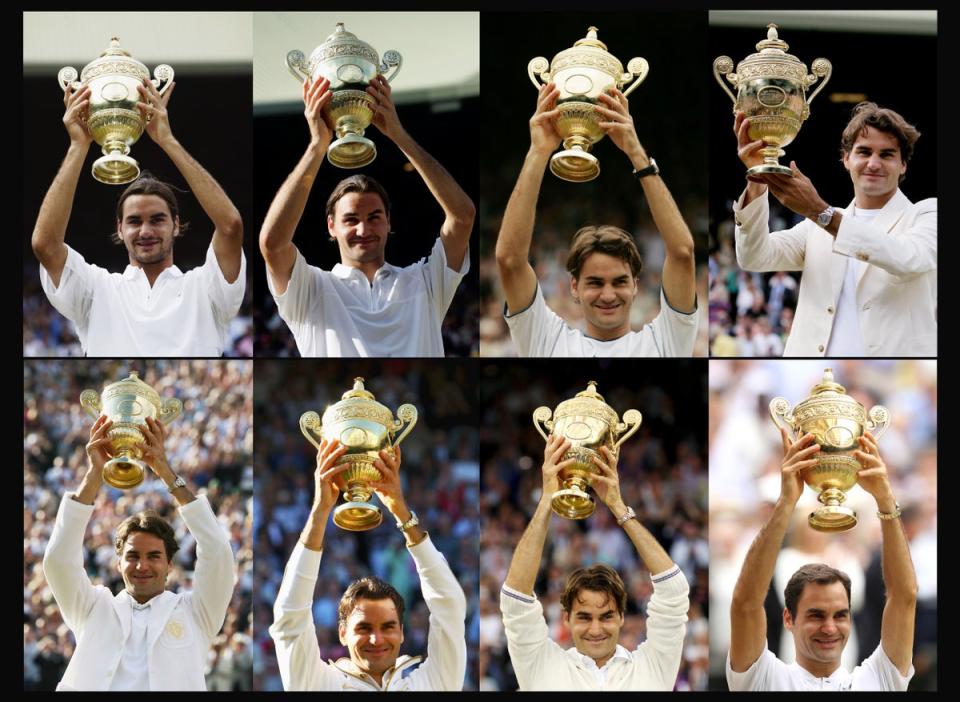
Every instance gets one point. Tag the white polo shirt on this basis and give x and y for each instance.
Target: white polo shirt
(118, 315)
(769, 673)
(539, 331)
(339, 313)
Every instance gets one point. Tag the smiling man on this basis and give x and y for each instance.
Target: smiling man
(869, 283)
(145, 638)
(603, 263)
(364, 306)
(153, 308)
(594, 602)
(370, 615)
(817, 597)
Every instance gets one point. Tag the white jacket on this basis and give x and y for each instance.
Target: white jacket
(298, 652)
(181, 625)
(896, 293)
(541, 664)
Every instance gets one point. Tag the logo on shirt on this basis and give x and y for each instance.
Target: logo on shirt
(175, 629)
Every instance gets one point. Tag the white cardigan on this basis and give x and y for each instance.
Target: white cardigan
(181, 625)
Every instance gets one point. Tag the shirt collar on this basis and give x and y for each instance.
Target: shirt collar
(136, 605)
(835, 677)
(131, 272)
(588, 662)
(346, 272)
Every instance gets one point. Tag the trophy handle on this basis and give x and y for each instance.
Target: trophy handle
(538, 67)
(310, 426)
(162, 74)
(878, 419)
(541, 415)
(638, 68)
(722, 65)
(405, 413)
(67, 78)
(297, 65)
(170, 409)
(781, 415)
(630, 417)
(392, 59)
(90, 401)
(821, 68)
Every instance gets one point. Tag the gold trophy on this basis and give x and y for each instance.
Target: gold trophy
(128, 403)
(771, 91)
(836, 421)
(114, 120)
(589, 423)
(349, 64)
(581, 73)
(365, 427)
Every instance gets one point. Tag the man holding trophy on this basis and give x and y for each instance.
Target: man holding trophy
(145, 638)
(371, 611)
(593, 600)
(152, 308)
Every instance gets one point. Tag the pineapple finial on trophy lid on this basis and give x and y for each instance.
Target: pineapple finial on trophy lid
(591, 40)
(114, 48)
(773, 42)
(591, 391)
(358, 390)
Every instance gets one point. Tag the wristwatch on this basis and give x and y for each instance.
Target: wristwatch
(824, 218)
(895, 514)
(627, 516)
(652, 169)
(410, 523)
(178, 483)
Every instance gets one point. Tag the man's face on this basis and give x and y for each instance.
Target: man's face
(373, 635)
(594, 624)
(144, 566)
(360, 226)
(875, 167)
(606, 288)
(822, 625)
(148, 230)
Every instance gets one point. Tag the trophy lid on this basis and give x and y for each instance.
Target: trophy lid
(828, 389)
(772, 60)
(132, 385)
(358, 403)
(114, 60)
(588, 402)
(589, 51)
(342, 44)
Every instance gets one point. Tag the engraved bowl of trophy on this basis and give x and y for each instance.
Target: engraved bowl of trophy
(349, 64)
(127, 403)
(365, 427)
(581, 73)
(836, 421)
(589, 423)
(771, 90)
(114, 120)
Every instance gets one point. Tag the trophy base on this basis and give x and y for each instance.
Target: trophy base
(572, 504)
(575, 165)
(833, 518)
(115, 169)
(352, 151)
(357, 516)
(124, 472)
(767, 169)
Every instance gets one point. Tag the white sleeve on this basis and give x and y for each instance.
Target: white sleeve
(293, 632)
(675, 333)
(759, 677)
(63, 564)
(905, 253)
(295, 302)
(536, 329)
(213, 577)
(758, 249)
(446, 663)
(73, 297)
(879, 673)
(442, 283)
(532, 652)
(225, 297)
(661, 653)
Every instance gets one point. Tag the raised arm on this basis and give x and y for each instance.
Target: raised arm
(325, 493)
(679, 270)
(227, 223)
(516, 228)
(51, 228)
(748, 629)
(899, 577)
(458, 208)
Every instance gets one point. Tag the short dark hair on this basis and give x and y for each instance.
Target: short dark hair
(368, 588)
(607, 239)
(357, 184)
(148, 522)
(869, 114)
(146, 184)
(598, 577)
(819, 573)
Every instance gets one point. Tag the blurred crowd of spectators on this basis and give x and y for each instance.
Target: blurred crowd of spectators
(210, 446)
(439, 471)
